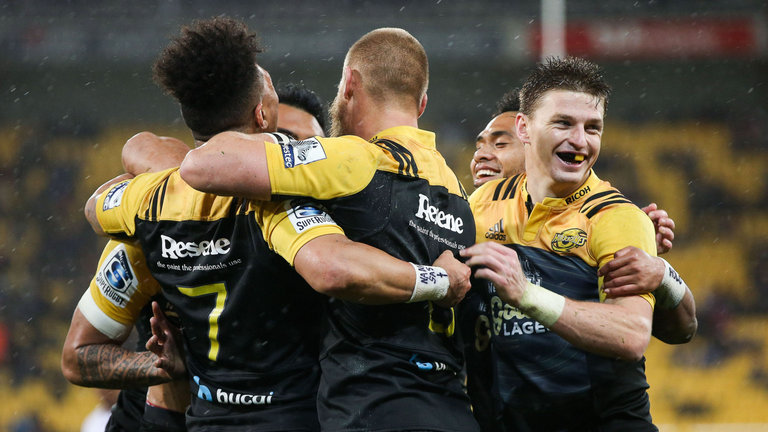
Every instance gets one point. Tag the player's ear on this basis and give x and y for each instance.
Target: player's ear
(423, 104)
(521, 126)
(260, 118)
(352, 81)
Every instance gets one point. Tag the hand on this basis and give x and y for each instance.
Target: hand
(163, 344)
(631, 271)
(458, 275)
(664, 226)
(500, 265)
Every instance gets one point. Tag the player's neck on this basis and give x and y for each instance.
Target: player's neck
(375, 122)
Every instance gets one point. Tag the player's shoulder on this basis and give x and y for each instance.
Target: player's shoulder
(600, 198)
(497, 190)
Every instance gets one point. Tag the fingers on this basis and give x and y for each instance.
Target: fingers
(621, 263)
(154, 346)
(624, 291)
(649, 208)
(491, 255)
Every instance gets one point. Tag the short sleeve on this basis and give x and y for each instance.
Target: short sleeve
(117, 207)
(290, 224)
(617, 228)
(321, 168)
(121, 287)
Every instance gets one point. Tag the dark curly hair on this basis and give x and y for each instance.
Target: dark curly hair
(570, 73)
(304, 99)
(211, 70)
(510, 101)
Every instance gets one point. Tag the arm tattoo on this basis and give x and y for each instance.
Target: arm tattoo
(112, 366)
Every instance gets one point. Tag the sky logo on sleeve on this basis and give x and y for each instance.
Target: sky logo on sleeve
(115, 196)
(302, 152)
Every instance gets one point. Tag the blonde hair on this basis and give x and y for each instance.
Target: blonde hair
(393, 65)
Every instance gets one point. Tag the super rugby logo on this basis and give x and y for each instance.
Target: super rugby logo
(304, 216)
(569, 239)
(115, 278)
(438, 217)
(178, 249)
(302, 152)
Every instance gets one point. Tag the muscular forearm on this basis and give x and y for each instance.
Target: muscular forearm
(617, 329)
(112, 366)
(678, 325)
(230, 163)
(354, 272)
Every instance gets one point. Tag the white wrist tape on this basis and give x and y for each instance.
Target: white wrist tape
(542, 304)
(431, 283)
(672, 289)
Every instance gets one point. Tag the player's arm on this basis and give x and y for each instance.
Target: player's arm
(617, 328)
(230, 163)
(92, 359)
(147, 152)
(632, 271)
(308, 238)
(363, 274)
(90, 205)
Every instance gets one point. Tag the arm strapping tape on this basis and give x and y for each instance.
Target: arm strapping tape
(672, 289)
(431, 283)
(542, 304)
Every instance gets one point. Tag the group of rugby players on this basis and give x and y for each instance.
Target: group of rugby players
(301, 283)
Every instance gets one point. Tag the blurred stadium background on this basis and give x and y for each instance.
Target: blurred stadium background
(687, 127)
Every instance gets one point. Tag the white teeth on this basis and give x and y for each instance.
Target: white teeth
(486, 172)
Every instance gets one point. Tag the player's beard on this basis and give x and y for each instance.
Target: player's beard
(338, 117)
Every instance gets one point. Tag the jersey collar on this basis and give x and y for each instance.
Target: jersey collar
(583, 191)
(422, 137)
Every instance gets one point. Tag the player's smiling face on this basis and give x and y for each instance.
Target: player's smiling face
(565, 132)
(499, 151)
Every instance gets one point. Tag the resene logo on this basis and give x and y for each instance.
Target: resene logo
(174, 249)
(438, 217)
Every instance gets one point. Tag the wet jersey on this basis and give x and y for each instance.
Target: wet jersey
(119, 298)
(521, 375)
(392, 367)
(249, 322)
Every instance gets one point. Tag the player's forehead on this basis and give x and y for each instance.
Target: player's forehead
(502, 124)
(570, 104)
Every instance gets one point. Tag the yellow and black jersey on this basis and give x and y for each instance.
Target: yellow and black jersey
(521, 372)
(390, 367)
(249, 321)
(119, 298)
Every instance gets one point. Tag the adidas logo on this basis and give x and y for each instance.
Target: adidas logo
(496, 232)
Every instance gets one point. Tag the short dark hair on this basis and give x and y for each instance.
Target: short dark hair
(510, 101)
(393, 64)
(305, 99)
(569, 73)
(211, 70)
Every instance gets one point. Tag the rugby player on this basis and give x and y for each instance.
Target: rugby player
(562, 355)
(382, 179)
